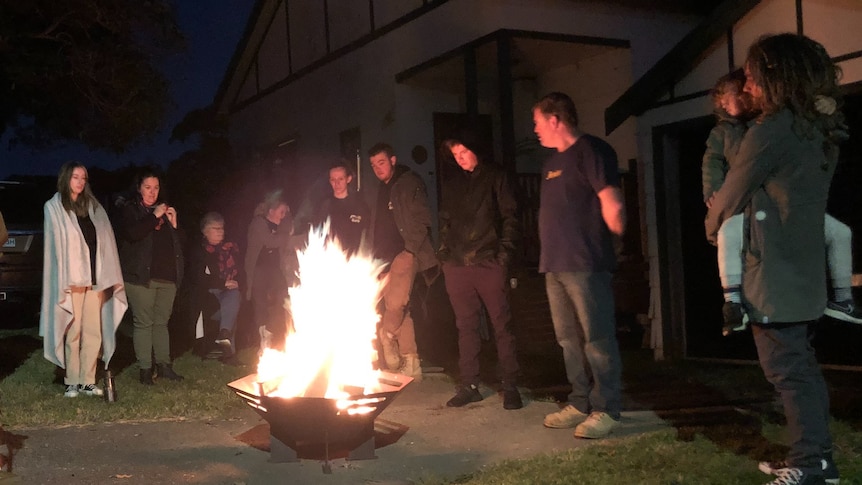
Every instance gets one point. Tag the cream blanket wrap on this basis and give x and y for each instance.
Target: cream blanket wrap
(67, 264)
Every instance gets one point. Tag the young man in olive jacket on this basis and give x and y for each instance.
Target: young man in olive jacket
(478, 230)
(400, 233)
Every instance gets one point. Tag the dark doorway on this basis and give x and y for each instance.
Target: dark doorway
(699, 287)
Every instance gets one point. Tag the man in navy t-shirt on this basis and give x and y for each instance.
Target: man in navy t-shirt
(581, 207)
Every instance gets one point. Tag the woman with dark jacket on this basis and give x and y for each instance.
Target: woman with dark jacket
(152, 259)
(268, 267)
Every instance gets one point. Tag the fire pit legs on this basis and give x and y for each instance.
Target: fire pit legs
(365, 451)
(280, 452)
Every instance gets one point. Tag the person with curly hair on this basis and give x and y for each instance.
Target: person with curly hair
(779, 182)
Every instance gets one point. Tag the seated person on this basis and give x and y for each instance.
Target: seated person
(214, 266)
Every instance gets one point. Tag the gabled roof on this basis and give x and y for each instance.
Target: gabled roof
(680, 60)
(238, 62)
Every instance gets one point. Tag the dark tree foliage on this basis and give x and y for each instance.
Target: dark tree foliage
(84, 70)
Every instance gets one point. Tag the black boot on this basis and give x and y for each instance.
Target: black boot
(147, 377)
(166, 371)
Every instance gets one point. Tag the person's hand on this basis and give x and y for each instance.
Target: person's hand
(159, 210)
(172, 216)
(231, 284)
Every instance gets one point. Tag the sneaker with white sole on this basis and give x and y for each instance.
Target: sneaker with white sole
(568, 417)
(830, 471)
(71, 390)
(844, 310)
(735, 318)
(91, 390)
(597, 425)
(795, 476)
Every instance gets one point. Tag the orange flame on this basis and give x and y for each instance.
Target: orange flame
(335, 317)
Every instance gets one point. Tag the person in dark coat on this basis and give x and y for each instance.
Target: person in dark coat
(478, 232)
(214, 269)
(151, 255)
(400, 234)
(779, 181)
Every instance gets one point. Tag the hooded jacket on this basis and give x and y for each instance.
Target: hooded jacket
(478, 218)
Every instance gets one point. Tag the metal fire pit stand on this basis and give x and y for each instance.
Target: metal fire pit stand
(299, 422)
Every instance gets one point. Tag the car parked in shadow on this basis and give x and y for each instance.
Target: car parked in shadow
(21, 203)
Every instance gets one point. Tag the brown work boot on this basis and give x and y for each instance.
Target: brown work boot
(410, 367)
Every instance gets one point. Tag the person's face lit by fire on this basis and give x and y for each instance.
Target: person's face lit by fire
(77, 182)
(383, 166)
(545, 127)
(339, 180)
(214, 233)
(465, 157)
(277, 214)
(734, 102)
(149, 190)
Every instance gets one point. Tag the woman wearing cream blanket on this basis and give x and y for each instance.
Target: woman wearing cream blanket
(83, 298)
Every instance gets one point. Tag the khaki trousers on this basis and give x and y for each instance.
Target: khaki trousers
(84, 336)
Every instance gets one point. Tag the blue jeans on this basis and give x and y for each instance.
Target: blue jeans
(788, 362)
(582, 308)
(228, 301)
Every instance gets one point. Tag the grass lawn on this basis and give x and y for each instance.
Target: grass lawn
(707, 444)
(29, 397)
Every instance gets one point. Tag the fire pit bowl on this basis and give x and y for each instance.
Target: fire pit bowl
(308, 423)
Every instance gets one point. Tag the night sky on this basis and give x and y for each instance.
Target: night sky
(213, 29)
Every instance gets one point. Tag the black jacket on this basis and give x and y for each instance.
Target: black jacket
(478, 218)
(137, 224)
(409, 202)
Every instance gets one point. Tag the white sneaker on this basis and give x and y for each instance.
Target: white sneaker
(597, 425)
(91, 390)
(71, 390)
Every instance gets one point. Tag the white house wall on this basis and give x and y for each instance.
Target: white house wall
(834, 23)
(358, 89)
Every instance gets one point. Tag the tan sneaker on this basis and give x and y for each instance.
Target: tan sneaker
(568, 417)
(597, 425)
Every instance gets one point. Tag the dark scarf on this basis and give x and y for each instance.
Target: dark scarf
(227, 253)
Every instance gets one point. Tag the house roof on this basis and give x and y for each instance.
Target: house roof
(680, 60)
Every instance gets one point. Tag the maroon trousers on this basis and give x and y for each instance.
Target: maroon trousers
(468, 288)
